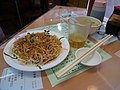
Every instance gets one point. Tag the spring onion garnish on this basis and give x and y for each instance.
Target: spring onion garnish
(30, 38)
(39, 66)
(61, 38)
(47, 33)
(13, 57)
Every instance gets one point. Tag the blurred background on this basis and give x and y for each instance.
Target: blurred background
(16, 14)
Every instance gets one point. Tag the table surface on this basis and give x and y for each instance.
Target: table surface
(105, 76)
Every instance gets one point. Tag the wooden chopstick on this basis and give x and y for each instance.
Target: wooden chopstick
(81, 57)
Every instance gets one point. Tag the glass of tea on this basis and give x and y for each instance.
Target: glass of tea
(79, 28)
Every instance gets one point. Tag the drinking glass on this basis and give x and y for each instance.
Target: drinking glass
(78, 31)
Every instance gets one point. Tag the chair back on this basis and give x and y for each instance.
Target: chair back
(88, 4)
(82, 4)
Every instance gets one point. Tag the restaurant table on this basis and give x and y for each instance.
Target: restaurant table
(105, 76)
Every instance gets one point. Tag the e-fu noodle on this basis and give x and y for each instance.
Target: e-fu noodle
(37, 48)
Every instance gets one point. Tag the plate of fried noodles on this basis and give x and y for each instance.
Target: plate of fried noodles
(36, 50)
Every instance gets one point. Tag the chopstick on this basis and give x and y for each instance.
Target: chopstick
(81, 57)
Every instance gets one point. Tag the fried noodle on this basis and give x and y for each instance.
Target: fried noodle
(37, 48)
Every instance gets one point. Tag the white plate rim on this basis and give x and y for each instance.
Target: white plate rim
(59, 59)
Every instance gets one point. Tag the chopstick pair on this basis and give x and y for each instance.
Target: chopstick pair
(81, 57)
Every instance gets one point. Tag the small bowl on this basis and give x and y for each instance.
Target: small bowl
(96, 23)
(92, 60)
